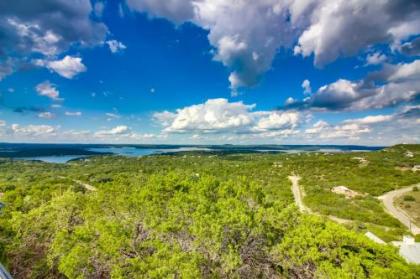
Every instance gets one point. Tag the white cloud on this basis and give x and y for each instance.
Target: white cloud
(371, 119)
(375, 58)
(401, 126)
(175, 10)
(345, 130)
(67, 67)
(47, 27)
(48, 89)
(46, 115)
(115, 46)
(342, 28)
(220, 116)
(111, 116)
(394, 85)
(213, 116)
(290, 101)
(248, 33)
(306, 85)
(277, 120)
(118, 130)
(75, 113)
(404, 72)
(43, 42)
(165, 118)
(33, 130)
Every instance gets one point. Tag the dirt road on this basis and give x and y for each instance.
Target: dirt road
(388, 201)
(87, 186)
(297, 193)
(81, 183)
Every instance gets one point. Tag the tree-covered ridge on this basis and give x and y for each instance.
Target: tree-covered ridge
(186, 216)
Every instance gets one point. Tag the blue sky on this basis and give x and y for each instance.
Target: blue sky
(200, 71)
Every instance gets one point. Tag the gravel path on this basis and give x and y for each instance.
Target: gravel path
(297, 193)
(81, 183)
(388, 201)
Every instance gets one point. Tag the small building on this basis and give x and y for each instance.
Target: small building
(409, 249)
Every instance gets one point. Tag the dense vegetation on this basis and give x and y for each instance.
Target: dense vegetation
(199, 215)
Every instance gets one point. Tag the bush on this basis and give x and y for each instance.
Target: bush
(409, 198)
(415, 189)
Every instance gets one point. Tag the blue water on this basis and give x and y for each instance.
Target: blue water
(125, 151)
(46, 152)
(52, 159)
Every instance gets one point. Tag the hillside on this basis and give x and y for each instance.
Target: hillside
(203, 216)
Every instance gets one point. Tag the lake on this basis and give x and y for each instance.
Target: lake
(62, 153)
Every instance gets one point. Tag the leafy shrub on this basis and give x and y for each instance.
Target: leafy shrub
(409, 198)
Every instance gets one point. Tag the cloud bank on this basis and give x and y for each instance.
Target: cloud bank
(247, 34)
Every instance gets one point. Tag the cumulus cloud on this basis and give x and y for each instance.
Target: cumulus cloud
(247, 34)
(375, 58)
(212, 116)
(47, 27)
(393, 85)
(175, 10)
(48, 89)
(343, 28)
(347, 130)
(67, 67)
(387, 129)
(221, 116)
(276, 120)
(115, 46)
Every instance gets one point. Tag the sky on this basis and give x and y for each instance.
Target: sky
(210, 71)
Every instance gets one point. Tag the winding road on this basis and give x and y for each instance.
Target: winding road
(388, 201)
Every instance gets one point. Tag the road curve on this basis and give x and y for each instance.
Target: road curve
(388, 201)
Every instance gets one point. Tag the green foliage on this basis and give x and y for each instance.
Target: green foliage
(190, 216)
(409, 198)
(380, 172)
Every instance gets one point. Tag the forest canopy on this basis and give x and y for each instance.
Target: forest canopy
(198, 215)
